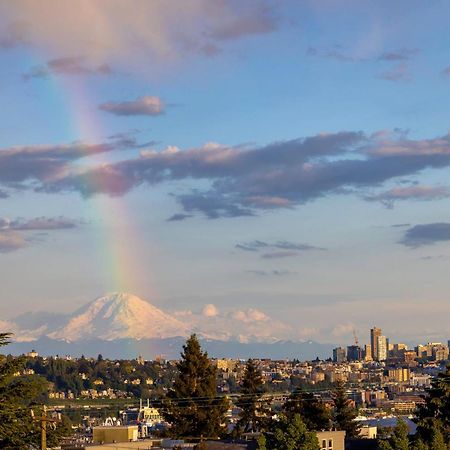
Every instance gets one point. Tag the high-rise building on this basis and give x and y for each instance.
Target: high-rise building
(339, 355)
(399, 374)
(368, 352)
(374, 334)
(382, 348)
(354, 353)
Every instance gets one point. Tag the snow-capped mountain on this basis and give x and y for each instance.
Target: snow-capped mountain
(119, 316)
(121, 325)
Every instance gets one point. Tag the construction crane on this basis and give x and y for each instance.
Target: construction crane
(355, 337)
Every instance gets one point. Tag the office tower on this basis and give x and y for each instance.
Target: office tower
(368, 352)
(339, 355)
(354, 353)
(382, 351)
(374, 334)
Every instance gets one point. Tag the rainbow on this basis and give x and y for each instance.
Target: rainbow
(118, 264)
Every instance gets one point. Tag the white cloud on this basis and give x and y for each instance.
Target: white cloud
(210, 310)
(343, 329)
(250, 315)
(243, 325)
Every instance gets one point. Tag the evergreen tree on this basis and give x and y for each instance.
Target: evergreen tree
(344, 413)
(255, 411)
(312, 410)
(192, 405)
(289, 434)
(420, 445)
(399, 439)
(437, 441)
(435, 413)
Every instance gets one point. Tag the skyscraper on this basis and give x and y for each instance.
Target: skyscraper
(382, 348)
(354, 353)
(339, 355)
(374, 334)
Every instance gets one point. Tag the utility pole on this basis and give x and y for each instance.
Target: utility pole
(43, 425)
(44, 429)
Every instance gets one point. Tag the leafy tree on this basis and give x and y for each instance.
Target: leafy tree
(435, 413)
(19, 395)
(289, 434)
(344, 413)
(312, 410)
(192, 406)
(399, 439)
(254, 414)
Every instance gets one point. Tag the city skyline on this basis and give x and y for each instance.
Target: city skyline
(280, 165)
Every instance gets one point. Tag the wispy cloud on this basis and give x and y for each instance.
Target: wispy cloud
(274, 272)
(254, 20)
(399, 73)
(403, 54)
(157, 31)
(142, 106)
(38, 223)
(341, 53)
(336, 52)
(179, 217)
(275, 250)
(279, 254)
(415, 192)
(15, 234)
(11, 241)
(15, 34)
(68, 65)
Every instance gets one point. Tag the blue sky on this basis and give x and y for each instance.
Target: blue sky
(285, 157)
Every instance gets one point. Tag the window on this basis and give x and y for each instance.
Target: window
(330, 444)
(324, 444)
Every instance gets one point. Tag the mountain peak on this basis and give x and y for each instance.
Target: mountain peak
(120, 315)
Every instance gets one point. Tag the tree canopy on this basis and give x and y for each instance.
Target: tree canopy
(255, 412)
(19, 396)
(192, 406)
(289, 434)
(313, 411)
(434, 415)
(343, 412)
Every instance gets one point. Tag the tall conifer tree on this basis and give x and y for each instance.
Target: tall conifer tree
(344, 413)
(314, 413)
(399, 439)
(255, 411)
(434, 415)
(192, 405)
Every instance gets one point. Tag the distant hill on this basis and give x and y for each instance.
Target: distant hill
(170, 348)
